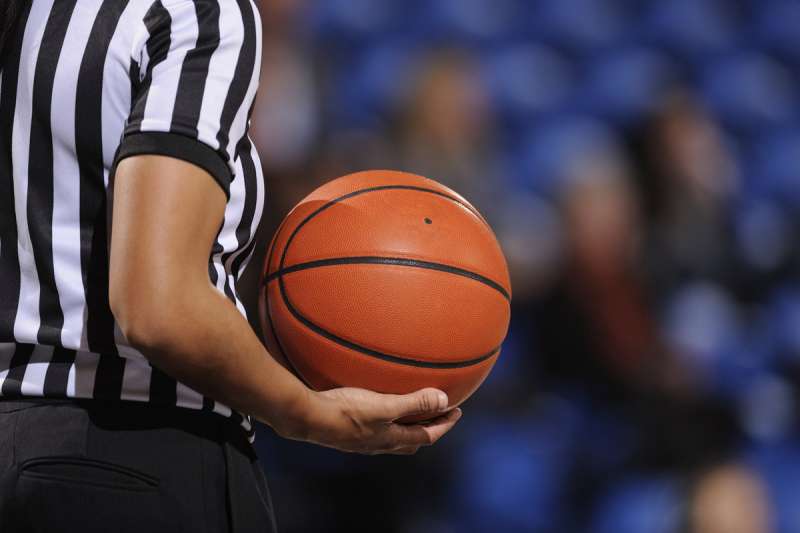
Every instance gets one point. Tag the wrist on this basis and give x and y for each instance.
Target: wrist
(299, 416)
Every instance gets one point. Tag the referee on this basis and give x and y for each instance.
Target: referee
(130, 195)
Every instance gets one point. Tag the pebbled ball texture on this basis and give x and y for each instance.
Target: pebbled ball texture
(387, 281)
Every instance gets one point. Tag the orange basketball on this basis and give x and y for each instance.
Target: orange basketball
(386, 281)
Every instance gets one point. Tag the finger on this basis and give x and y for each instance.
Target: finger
(408, 450)
(437, 428)
(425, 434)
(397, 436)
(423, 402)
(405, 450)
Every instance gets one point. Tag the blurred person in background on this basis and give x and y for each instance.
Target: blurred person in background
(730, 498)
(285, 123)
(444, 128)
(441, 126)
(287, 114)
(599, 335)
(688, 178)
(600, 279)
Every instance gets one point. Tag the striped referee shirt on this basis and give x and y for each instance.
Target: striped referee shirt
(84, 84)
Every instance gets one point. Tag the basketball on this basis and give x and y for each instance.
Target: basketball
(386, 281)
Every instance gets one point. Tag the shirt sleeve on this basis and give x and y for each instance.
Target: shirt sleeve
(193, 83)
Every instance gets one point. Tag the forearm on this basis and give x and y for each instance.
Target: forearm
(202, 340)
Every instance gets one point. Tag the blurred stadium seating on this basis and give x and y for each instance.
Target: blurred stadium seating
(717, 191)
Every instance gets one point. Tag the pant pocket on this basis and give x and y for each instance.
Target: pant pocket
(65, 494)
(87, 471)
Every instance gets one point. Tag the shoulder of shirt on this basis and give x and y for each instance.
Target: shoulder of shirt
(167, 3)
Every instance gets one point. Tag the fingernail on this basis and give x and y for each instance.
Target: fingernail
(442, 401)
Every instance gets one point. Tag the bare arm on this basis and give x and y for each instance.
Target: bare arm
(166, 215)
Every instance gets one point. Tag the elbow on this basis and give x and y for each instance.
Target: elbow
(165, 326)
(146, 323)
(163, 321)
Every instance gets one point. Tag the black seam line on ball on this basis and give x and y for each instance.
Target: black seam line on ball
(395, 261)
(387, 357)
(272, 325)
(359, 192)
(343, 342)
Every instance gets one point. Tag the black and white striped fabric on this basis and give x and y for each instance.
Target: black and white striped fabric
(85, 84)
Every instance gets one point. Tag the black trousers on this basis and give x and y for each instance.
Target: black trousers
(69, 466)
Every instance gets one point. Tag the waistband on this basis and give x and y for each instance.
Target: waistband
(132, 415)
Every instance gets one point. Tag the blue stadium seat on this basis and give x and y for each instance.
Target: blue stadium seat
(694, 28)
(784, 317)
(774, 168)
(738, 369)
(528, 80)
(704, 325)
(767, 408)
(470, 20)
(512, 471)
(578, 25)
(763, 233)
(642, 504)
(779, 464)
(751, 91)
(776, 27)
(625, 84)
(374, 82)
(343, 23)
(544, 155)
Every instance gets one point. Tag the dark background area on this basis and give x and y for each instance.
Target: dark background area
(640, 164)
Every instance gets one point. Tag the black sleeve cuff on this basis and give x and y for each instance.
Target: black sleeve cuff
(179, 147)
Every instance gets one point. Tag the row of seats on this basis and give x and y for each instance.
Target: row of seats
(694, 27)
(749, 90)
(754, 92)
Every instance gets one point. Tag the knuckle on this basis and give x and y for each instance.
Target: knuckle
(386, 443)
(424, 402)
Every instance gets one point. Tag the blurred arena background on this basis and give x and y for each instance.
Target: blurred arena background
(640, 163)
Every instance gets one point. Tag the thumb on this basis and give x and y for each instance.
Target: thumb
(425, 401)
